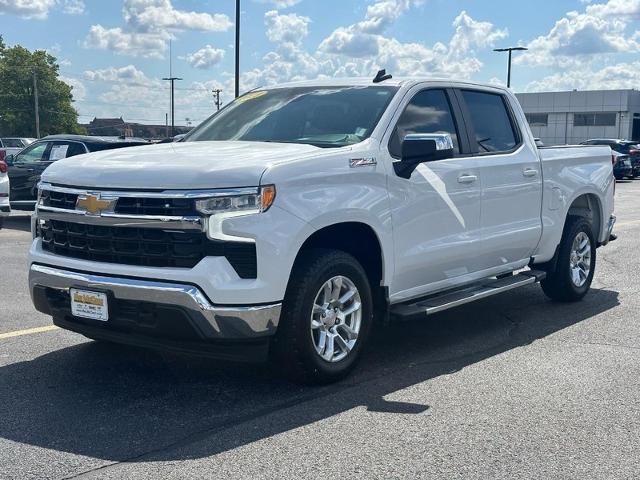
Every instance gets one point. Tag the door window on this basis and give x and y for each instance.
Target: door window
(492, 124)
(12, 143)
(428, 111)
(60, 150)
(32, 154)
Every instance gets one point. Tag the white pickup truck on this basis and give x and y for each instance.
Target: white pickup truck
(285, 225)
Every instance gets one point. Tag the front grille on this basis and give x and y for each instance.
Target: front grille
(176, 207)
(51, 198)
(179, 207)
(147, 247)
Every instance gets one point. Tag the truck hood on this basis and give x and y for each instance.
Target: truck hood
(189, 165)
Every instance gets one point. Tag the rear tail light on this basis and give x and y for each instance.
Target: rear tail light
(3, 154)
(3, 167)
(614, 160)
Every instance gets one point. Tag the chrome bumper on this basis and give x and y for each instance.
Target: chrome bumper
(215, 322)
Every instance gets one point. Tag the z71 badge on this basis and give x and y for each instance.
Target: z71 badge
(362, 162)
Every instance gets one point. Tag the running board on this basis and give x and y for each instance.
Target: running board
(446, 300)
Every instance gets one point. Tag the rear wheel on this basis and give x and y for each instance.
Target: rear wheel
(573, 273)
(326, 318)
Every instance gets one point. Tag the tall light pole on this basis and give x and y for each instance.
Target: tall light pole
(237, 48)
(172, 79)
(510, 49)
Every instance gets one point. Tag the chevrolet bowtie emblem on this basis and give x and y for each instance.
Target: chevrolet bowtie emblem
(92, 204)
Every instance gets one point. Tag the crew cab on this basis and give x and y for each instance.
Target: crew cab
(285, 224)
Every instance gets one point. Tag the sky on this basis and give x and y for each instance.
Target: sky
(115, 52)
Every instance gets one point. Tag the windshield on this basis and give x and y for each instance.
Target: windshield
(321, 116)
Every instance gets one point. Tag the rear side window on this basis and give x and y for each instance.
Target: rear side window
(12, 143)
(494, 130)
(60, 150)
(427, 112)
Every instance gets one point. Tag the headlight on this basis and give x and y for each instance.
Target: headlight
(243, 204)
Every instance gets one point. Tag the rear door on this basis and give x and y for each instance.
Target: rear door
(436, 212)
(511, 178)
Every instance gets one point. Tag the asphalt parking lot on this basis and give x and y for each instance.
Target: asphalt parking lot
(511, 387)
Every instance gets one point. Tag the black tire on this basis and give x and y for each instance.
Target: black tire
(558, 285)
(293, 347)
(1, 222)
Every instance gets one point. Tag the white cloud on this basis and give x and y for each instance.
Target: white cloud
(381, 14)
(619, 76)
(354, 51)
(38, 9)
(149, 26)
(78, 90)
(601, 29)
(290, 28)
(129, 74)
(127, 43)
(280, 3)
(205, 58)
(362, 39)
(154, 15)
(73, 7)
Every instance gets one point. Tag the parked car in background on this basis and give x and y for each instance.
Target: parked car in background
(5, 208)
(622, 167)
(12, 145)
(26, 167)
(625, 147)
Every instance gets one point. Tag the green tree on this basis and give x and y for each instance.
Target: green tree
(17, 114)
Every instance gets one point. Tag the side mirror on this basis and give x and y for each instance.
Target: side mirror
(9, 160)
(418, 148)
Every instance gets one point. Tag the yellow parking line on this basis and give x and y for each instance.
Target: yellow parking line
(28, 331)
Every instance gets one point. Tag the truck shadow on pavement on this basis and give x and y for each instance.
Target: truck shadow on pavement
(126, 405)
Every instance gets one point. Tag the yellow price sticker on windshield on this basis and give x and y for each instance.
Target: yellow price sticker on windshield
(251, 96)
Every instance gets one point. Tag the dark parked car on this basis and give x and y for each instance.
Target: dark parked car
(621, 165)
(625, 147)
(26, 166)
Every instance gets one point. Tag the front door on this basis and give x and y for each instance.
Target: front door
(25, 172)
(436, 212)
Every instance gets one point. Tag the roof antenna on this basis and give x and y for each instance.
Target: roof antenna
(381, 76)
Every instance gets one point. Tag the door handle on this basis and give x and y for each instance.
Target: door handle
(467, 178)
(530, 172)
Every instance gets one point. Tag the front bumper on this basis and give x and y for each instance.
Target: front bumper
(150, 311)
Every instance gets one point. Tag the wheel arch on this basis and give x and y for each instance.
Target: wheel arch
(589, 206)
(355, 238)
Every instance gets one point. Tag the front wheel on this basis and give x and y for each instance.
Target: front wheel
(571, 278)
(326, 317)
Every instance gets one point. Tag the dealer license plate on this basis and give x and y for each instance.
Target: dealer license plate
(86, 304)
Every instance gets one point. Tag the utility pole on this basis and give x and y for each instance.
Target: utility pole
(510, 50)
(172, 79)
(166, 125)
(35, 102)
(216, 95)
(237, 48)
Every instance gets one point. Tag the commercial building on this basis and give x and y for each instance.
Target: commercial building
(559, 118)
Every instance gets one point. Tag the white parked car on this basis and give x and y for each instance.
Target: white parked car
(13, 145)
(5, 208)
(298, 214)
